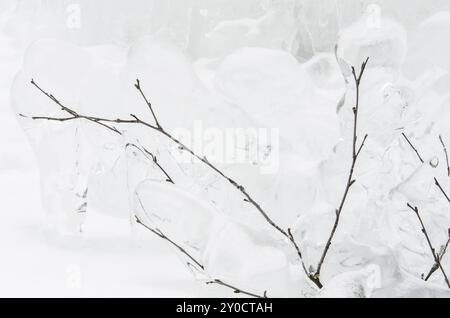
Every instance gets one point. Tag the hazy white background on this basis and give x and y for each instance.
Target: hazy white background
(256, 63)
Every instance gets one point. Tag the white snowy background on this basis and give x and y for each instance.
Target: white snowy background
(227, 64)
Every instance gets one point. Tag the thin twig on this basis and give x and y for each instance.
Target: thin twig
(446, 155)
(138, 87)
(164, 237)
(153, 158)
(436, 256)
(435, 266)
(95, 120)
(414, 148)
(200, 266)
(350, 181)
(442, 190)
(236, 290)
(436, 182)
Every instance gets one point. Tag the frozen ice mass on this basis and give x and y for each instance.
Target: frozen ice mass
(239, 181)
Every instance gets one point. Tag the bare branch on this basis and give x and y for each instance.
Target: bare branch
(95, 120)
(435, 266)
(350, 181)
(414, 148)
(362, 145)
(153, 158)
(442, 190)
(446, 155)
(236, 290)
(436, 256)
(164, 237)
(138, 87)
(198, 264)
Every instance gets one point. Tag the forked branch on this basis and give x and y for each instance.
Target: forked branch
(158, 128)
(108, 122)
(435, 266)
(440, 255)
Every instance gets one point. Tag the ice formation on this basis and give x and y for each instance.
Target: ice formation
(265, 64)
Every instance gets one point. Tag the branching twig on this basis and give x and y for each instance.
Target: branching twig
(436, 256)
(446, 155)
(157, 127)
(414, 148)
(95, 120)
(136, 120)
(164, 237)
(197, 263)
(350, 181)
(138, 87)
(247, 197)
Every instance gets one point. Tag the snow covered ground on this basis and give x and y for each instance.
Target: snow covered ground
(212, 68)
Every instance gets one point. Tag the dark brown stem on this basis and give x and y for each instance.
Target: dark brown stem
(153, 158)
(350, 181)
(446, 155)
(441, 189)
(197, 263)
(236, 290)
(414, 148)
(164, 237)
(98, 121)
(436, 257)
(138, 87)
(435, 266)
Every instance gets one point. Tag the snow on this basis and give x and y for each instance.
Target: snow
(216, 69)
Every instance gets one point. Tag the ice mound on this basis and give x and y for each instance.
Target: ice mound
(69, 153)
(276, 91)
(273, 29)
(383, 40)
(428, 50)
